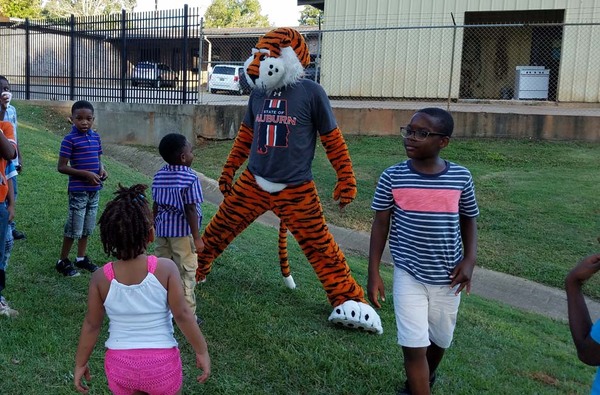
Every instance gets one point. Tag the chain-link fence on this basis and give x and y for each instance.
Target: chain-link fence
(168, 57)
(525, 62)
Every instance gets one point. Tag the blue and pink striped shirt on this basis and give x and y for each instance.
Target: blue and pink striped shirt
(83, 150)
(425, 239)
(173, 187)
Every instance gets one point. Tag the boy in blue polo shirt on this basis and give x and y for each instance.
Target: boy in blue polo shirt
(431, 205)
(177, 195)
(80, 158)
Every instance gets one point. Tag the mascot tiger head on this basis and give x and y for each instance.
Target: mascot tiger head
(278, 59)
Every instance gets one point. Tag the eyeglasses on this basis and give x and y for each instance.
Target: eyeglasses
(419, 135)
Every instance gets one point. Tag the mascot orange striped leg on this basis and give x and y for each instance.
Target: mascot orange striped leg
(300, 209)
(237, 211)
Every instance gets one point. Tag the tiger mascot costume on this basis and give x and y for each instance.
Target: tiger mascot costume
(278, 136)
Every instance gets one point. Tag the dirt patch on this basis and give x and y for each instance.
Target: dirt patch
(545, 378)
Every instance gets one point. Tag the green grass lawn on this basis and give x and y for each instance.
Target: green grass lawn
(263, 338)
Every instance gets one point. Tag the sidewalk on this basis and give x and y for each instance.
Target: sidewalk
(514, 291)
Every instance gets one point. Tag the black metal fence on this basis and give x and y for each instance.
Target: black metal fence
(131, 57)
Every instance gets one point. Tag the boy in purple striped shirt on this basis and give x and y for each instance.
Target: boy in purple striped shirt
(177, 195)
(80, 158)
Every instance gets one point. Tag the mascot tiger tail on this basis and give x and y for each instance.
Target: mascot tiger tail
(284, 117)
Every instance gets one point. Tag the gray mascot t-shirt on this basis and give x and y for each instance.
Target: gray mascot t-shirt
(286, 124)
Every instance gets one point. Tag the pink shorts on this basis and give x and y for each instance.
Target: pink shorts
(156, 371)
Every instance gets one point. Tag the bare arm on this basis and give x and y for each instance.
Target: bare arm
(468, 230)
(184, 317)
(103, 173)
(580, 322)
(463, 272)
(89, 332)
(379, 235)
(8, 150)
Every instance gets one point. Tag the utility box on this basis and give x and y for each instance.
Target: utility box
(531, 82)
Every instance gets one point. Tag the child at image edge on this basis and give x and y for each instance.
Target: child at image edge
(141, 295)
(9, 113)
(177, 195)
(8, 151)
(80, 158)
(585, 332)
(433, 240)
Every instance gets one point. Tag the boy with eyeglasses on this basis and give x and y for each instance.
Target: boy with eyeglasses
(431, 205)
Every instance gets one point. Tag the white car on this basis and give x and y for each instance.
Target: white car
(231, 78)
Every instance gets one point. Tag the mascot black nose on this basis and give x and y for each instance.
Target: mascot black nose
(253, 78)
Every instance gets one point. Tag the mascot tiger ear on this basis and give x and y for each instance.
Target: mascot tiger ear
(278, 60)
(284, 117)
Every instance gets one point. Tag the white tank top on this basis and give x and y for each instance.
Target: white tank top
(139, 315)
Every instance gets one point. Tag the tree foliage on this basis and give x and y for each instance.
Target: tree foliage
(64, 8)
(21, 8)
(235, 13)
(309, 16)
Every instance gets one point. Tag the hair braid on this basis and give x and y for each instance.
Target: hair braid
(126, 223)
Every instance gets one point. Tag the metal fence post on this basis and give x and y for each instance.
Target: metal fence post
(123, 55)
(72, 60)
(27, 61)
(184, 51)
(452, 61)
(200, 59)
(318, 58)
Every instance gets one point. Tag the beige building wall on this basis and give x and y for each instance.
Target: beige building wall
(579, 70)
(418, 63)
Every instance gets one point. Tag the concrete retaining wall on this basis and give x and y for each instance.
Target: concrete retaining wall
(145, 124)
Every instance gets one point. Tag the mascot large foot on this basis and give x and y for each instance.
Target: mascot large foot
(357, 315)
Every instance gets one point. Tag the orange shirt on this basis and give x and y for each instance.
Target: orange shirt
(9, 133)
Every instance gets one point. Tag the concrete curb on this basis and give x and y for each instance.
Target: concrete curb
(514, 291)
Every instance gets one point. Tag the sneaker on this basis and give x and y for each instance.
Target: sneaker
(199, 321)
(65, 267)
(86, 264)
(6, 310)
(18, 235)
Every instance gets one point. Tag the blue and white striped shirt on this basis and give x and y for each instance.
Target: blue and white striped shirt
(425, 239)
(173, 187)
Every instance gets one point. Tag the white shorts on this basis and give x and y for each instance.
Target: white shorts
(424, 313)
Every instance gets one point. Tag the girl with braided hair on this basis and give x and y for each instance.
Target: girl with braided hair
(141, 295)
